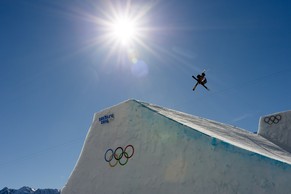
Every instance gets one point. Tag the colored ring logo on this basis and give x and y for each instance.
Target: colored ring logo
(274, 119)
(119, 155)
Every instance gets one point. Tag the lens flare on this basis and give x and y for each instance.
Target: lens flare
(138, 68)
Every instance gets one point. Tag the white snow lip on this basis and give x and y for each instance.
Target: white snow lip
(226, 133)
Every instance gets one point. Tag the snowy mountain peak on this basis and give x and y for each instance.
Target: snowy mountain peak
(28, 190)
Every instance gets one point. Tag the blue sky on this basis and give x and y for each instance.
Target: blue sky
(58, 68)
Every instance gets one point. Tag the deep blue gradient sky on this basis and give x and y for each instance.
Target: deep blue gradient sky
(57, 70)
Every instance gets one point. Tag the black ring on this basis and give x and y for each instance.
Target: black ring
(116, 156)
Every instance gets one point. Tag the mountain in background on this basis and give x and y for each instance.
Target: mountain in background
(28, 190)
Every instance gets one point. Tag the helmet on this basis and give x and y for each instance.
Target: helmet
(203, 74)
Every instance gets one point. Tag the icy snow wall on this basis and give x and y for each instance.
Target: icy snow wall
(135, 147)
(277, 128)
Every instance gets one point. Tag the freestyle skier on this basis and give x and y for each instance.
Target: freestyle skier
(201, 79)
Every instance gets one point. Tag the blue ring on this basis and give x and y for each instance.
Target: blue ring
(111, 157)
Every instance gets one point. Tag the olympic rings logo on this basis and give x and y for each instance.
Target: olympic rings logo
(274, 119)
(119, 155)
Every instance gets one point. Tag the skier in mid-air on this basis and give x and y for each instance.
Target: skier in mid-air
(201, 79)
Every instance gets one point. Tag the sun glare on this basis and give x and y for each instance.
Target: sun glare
(124, 24)
(124, 30)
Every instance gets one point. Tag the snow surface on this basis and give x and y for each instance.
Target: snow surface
(227, 133)
(175, 152)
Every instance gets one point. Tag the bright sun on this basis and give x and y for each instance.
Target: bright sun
(123, 26)
(124, 30)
